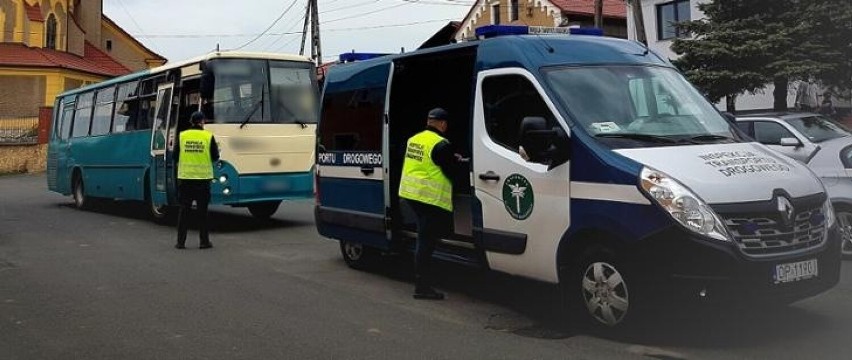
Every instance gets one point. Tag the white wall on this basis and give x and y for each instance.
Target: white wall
(763, 100)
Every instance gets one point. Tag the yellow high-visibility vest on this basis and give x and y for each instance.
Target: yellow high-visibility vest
(422, 180)
(194, 162)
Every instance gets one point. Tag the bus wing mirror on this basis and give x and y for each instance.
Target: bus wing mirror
(208, 80)
(536, 139)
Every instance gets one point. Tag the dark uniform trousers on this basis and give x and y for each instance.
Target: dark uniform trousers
(433, 223)
(199, 192)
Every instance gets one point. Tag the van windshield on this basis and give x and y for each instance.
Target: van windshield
(638, 106)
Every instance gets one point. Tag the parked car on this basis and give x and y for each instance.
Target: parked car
(824, 145)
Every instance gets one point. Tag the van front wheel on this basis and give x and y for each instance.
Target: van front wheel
(604, 292)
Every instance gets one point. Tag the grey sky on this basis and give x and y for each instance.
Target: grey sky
(158, 22)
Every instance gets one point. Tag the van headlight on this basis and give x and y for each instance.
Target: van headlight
(683, 205)
(828, 212)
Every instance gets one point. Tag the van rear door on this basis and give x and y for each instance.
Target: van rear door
(350, 173)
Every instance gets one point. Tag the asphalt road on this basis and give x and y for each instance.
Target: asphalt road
(107, 284)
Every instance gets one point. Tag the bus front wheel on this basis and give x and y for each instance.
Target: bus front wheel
(81, 201)
(264, 210)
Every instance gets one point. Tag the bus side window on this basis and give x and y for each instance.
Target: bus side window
(102, 119)
(126, 108)
(83, 115)
(66, 119)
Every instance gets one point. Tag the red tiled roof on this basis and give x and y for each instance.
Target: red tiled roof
(95, 62)
(33, 12)
(611, 8)
(103, 60)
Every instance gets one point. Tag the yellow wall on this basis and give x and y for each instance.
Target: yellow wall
(55, 79)
(36, 38)
(125, 50)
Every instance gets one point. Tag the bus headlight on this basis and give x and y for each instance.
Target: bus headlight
(223, 179)
(682, 204)
(226, 191)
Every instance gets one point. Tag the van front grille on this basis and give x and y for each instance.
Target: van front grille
(765, 234)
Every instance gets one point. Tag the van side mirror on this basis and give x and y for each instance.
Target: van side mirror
(208, 80)
(792, 142)
(537, 139)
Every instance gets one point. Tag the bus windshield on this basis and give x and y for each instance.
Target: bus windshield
(261, 91)
(639, 106)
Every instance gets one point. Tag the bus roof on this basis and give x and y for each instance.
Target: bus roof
(180, 64)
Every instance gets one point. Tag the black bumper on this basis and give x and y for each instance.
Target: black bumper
(682, 267)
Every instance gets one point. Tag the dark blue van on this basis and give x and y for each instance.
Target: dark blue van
(594, 165)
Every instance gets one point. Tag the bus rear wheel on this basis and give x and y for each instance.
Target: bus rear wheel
(264, 210)
(81, 201)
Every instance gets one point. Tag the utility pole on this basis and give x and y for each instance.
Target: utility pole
(312, 18)
(599, 14)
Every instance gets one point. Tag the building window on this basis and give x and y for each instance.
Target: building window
(495, 14)
(50, 33)
(109, 45)
(669, 15)
(513, 10)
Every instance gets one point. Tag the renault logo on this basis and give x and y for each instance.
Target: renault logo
(786, 210)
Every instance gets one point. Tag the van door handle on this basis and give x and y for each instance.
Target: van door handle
(489, 176)
(367, 170)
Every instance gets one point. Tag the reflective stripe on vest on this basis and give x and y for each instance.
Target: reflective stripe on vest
(194, 162)
(422, 180)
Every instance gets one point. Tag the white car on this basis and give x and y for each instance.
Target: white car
(819, 142)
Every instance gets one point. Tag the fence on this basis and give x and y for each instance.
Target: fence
(19, 130)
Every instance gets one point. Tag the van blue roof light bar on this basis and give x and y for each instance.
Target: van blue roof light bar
(353, 56)
(490, 31)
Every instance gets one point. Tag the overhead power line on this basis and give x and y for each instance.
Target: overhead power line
(269, 27)
(289, 32)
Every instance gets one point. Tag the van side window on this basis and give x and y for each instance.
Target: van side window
(507, 100)
(83, 116)
(352, 120)
(770, 133)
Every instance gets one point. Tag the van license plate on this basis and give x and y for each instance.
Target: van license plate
(796, 271)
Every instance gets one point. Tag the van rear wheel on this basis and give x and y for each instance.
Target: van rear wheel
(357, 255)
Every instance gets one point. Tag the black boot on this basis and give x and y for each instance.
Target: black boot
(205, 245)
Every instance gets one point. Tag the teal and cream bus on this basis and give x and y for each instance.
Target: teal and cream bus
(115, 139)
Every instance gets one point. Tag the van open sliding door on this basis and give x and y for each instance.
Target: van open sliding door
(351, 192)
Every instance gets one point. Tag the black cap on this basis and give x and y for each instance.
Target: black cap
(439, 114)
(196, 117)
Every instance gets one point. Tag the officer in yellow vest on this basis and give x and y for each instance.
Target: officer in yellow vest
(195, 153)
(426, 186)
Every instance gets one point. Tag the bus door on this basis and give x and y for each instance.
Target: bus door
(59, 147)
(162, 190)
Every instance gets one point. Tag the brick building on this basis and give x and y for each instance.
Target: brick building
(50, 46)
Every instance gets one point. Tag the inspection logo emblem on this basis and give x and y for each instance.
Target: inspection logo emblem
(518, 196)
